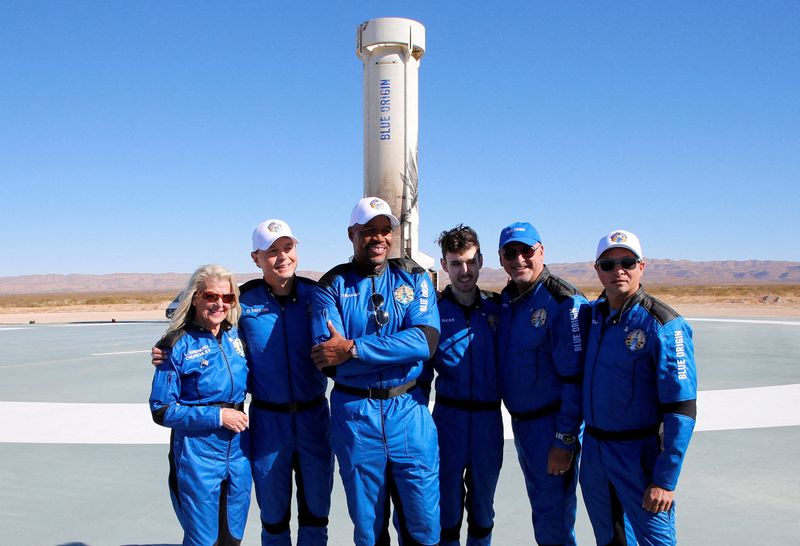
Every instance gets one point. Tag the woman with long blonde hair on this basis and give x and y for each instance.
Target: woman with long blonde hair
(198, 391)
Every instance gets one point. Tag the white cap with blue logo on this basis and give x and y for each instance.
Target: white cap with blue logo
(269, 231)
(368, 208)
(619, 238)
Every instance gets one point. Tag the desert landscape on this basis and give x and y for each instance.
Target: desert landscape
(745, 288)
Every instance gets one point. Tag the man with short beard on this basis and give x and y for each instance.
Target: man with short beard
(375, 322)
(467, 410)
(543, 320)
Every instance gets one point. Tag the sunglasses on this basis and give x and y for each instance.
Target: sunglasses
(381, 315)
(513, 252)
(213, 297)
(610, 264)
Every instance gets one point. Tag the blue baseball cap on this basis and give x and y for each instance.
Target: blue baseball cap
(519, 232)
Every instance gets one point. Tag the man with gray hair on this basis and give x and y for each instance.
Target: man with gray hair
(543, 321)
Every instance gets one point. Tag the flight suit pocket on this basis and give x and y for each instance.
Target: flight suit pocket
(421, 438)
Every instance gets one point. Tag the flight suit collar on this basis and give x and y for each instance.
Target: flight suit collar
(605, 310)
(447, 293)
(513, 292)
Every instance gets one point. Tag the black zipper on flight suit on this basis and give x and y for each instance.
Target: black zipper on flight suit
(380, 374)
(230, 373)
(510, 328)
(282, 306)
(604, 322)
(468, 314)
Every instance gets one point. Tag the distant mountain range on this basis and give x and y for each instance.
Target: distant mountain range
(657, 273)
(680, 272)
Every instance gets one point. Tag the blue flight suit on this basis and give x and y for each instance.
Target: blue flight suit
(209, 477)
(639, 377)
(289, 415)
(467, 416)
(382, 432)
(540, 340)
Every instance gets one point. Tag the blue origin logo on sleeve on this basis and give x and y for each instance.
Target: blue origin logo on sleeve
(539, 317)
(635, 340)
(576, 330)
(680, 354)
(404, 294)
(238, 347)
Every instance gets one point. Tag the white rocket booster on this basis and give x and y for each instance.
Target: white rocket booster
(391, 49)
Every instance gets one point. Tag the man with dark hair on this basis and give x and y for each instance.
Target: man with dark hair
(375, 322)
(543, 320)
(467, 410)
(458, 239)
(639, 402)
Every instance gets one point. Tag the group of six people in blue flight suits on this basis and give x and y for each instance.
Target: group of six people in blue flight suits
(611, 385)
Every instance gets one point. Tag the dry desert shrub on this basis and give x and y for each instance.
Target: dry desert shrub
(38, 301)
(765, 294)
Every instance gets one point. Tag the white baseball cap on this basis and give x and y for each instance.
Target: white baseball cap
(368, 208)
(619, 238)
(269, 231)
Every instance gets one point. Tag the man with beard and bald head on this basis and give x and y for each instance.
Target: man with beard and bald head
(467, 410)
(543, 320)
(375, 322)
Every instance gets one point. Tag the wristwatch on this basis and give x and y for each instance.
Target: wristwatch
(567, 439)
(354, 351)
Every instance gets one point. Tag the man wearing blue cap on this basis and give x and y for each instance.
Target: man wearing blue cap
(543, 320)
(639, 400)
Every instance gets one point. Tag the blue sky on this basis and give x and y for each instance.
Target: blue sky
(153, 136)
